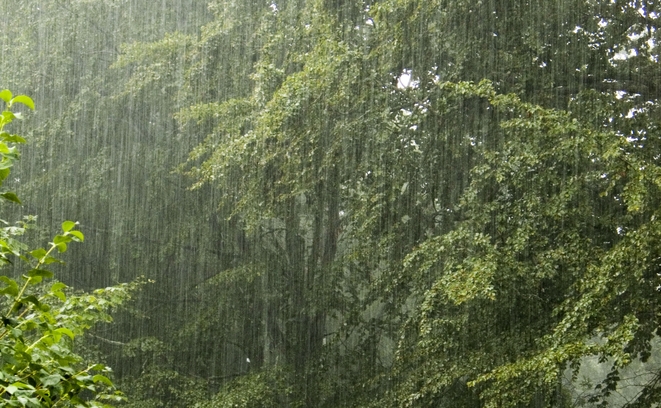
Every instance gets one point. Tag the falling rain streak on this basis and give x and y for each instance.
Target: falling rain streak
(340, 203)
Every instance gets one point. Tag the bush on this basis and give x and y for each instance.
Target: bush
(41, 320)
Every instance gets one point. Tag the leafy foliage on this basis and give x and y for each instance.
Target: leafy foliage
(368, 217)
(40, 322)
(469, 240)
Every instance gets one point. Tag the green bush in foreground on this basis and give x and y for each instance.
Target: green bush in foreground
(40, 321)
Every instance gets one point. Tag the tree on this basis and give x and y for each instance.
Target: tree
(370, 223)
(38, 367)
(483, 222)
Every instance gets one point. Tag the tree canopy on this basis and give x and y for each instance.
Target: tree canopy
(396, 203)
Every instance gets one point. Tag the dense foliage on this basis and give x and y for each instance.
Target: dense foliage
(358, 203)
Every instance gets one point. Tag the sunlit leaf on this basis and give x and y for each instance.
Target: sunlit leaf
(5, 95)
(25, 100)
(6, 137)
(68, 226)
(77, 236)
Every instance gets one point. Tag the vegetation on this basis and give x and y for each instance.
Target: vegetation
(38, 367)
(393, 203)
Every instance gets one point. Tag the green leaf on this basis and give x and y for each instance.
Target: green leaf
(42, 273)
(102, 378)
(68, 225)
(5, 95)
(24, 99)
(11, 197)
(35, 280)
(8, 116)
(6, 137)
(4, 173)
(61, 247)
(49, 260)
(37, 304)
(24, 386)
(77, 236)
(57, 286)
(6, 164)
(64, 330)
(59, 294)
(51, 380)
(12, 287)
(38, 253)
(61, 238)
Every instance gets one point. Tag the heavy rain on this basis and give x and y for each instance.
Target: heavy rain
(330, 203)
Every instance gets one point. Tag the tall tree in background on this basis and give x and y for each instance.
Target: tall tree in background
(365, 228)
(454, 170)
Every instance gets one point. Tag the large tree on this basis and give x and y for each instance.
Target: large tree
(476, 224)
(369, 222)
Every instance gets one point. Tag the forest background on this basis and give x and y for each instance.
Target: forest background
(396, 203)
